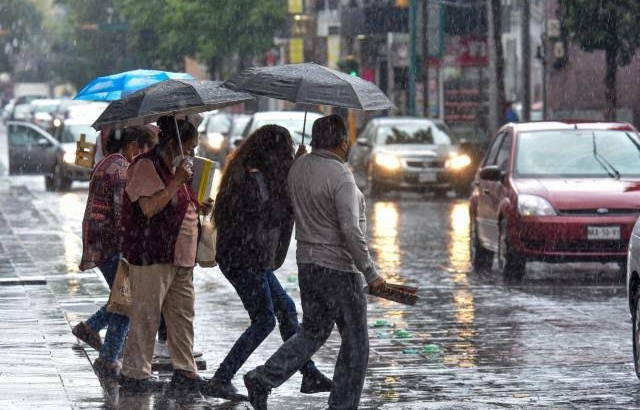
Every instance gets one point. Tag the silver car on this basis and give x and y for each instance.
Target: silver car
(409, 153)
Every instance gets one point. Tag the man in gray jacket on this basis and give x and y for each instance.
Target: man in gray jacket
(331, 253)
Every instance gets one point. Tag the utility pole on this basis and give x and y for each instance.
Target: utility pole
(545, 59)
(526, 60)
(425, 58)
(413, 37)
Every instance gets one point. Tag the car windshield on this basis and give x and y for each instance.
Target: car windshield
(578, 154)
(218, 123)
(71, 133)
(412, 133)
(239, 125)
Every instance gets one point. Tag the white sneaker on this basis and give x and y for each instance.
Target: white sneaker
(161, 349)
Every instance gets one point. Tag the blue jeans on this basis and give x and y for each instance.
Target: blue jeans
(265, 300)
(117, 325)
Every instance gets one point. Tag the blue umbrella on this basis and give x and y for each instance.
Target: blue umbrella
(113, 87)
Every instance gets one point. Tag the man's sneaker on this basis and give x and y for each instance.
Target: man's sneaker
(315, 382)
(84, 332)
(180, 381)
(161, 349)
(223, 390)
(258, 392)
(151, 384)
(107, 370)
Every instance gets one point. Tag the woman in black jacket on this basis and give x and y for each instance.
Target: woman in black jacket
(254, 219)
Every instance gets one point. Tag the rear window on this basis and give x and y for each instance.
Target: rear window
(578, 153)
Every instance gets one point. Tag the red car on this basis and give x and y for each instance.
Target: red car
(555, 192)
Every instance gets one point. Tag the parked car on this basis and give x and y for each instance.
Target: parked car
(21, 112)
(555, 192)
(213, 141)
(410, 153)
(43, 112)
(291, 120)
(33, 150)
(7, 111)
(68, 135)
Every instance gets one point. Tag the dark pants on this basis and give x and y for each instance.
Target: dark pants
(328, 297)
(265, 300)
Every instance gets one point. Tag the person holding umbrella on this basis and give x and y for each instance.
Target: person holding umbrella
(160, 233)
(331, 253)
(254, 218)
(101, 240)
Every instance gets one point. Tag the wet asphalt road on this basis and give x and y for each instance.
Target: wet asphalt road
(560, 339)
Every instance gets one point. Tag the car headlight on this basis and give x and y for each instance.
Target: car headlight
(532, 205)
(69, 157)
(457, 162)
(215, 140)
(387, 161)
(57, 122)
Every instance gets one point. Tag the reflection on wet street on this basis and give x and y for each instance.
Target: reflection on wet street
(560, 339)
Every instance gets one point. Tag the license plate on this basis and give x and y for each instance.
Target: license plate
(427, 177)
(603, 233)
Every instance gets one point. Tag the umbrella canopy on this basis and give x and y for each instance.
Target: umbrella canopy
(113, 87)
(171, 97)
(310, 83)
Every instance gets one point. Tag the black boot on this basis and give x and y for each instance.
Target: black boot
(223, 390)
(315, 382)
(180, 381)
(258, 392)
(151, 384)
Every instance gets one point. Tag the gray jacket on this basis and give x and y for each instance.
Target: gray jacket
(329, 214)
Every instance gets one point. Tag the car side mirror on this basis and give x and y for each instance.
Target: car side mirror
(492, 173)
(363, 142)
(237, 142)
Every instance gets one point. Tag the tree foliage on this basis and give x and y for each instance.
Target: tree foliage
(19, 23)
(160, 33)
(168, 30)
(608, 25)
(604, 25)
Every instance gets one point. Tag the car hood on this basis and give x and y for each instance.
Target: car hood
(588, 193)
(69, 146)
(417, 150)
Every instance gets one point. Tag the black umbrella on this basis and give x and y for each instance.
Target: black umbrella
(170, 97)
(310, 83)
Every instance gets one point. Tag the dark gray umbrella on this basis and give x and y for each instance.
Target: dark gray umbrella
(170, 97)
(310, 83)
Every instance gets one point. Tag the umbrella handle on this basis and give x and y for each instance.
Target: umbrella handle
(175, 121)
(304, 125)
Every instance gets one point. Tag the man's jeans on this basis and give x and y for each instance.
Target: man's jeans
(328, 297)
(117, 325)
(265, 300)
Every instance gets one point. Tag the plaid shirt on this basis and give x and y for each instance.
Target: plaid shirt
(100, 236)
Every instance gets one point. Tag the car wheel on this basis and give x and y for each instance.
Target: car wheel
(58, 181)
(481, 258)
(636, 332)
(511, 265)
